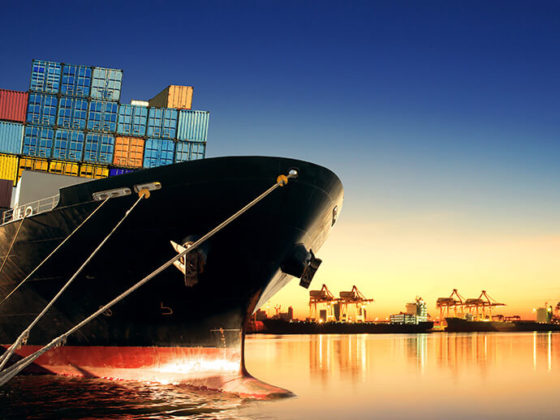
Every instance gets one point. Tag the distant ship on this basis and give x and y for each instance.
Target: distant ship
(279, 326)
(187, 324)
(455, 324)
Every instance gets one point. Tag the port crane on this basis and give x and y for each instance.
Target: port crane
(455, 301)
(482, 306)
(353, 297)
(323, 296)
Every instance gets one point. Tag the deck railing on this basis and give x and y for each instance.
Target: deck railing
(30, 209)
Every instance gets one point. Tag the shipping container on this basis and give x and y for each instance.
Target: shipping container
(186, 150)
(68, 144)
(38, 141)
(13, 105)
(158, 152)
(119, 171)
(102, 116)
(162, 123)
(6, 187)
(129, 152)
(93, 171)
(106, 84)
(99, 148)
(76, 80)
(137, 102)
(72, 113)
(132, 120)
(173, 96)
(64, 168)
(45, 76)
(9, 167)
(11, 137)
(41, 109)
(32, 164)
(193, 125)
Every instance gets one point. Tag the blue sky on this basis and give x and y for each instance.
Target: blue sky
(439, 110)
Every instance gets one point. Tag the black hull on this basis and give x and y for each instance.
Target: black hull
(242, 262)
(463, 325)
(273, 326)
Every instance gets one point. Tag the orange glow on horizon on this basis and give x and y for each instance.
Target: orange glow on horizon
(395, 262)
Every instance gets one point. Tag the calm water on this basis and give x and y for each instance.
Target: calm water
(428, 376)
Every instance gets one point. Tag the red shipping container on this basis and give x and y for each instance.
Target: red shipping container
(6, 192)
(13, 105)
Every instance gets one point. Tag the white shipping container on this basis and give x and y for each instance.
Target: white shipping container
(139, 103)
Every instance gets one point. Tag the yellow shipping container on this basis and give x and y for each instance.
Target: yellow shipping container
(173, 96)
(64, 168)
(32, 164)
(9, 167)
(93, 171)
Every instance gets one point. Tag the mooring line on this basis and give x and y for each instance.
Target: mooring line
(54, 251)
(25, 334)
(7, 374)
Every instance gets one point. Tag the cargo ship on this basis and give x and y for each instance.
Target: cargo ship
(475, 315)
(336, 318)
(280, 326)
(455, 324)
(187, 325)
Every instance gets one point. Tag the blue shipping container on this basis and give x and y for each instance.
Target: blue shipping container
(158, 152)
(162, 123)
(45, 76)
(132, 120)
(72, 113)
(106, 84)
(119, 171)
(11, 137)
(41, 109)
(99, 148)
(193, 125)
(102, 116)
(76, 80)
(186, 150)
(68, 145)
(38, 141)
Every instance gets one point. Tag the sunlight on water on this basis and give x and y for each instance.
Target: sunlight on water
(425, 376)
(485, 375)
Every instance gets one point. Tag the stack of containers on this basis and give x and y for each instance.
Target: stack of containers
(13, 107)
(72, 123)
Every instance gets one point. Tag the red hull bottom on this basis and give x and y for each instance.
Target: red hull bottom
(208, 368)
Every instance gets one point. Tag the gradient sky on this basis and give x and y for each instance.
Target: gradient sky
(440, 117)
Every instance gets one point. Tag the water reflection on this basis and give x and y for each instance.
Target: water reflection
(353, 355)
(424, 376)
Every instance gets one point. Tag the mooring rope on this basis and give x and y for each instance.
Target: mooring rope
(13, 242)
(13, 370)
(54, 251)
(25, 334)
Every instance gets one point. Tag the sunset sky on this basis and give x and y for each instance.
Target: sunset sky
(440, 117)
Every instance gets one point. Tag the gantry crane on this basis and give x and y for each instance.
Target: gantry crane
(353, 297)
(445, 304)
(323, 296)
(481, 307)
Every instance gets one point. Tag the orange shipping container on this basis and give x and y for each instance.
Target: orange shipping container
(129, 152)
(173, 96)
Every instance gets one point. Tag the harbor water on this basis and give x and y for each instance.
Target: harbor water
(423, 376)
